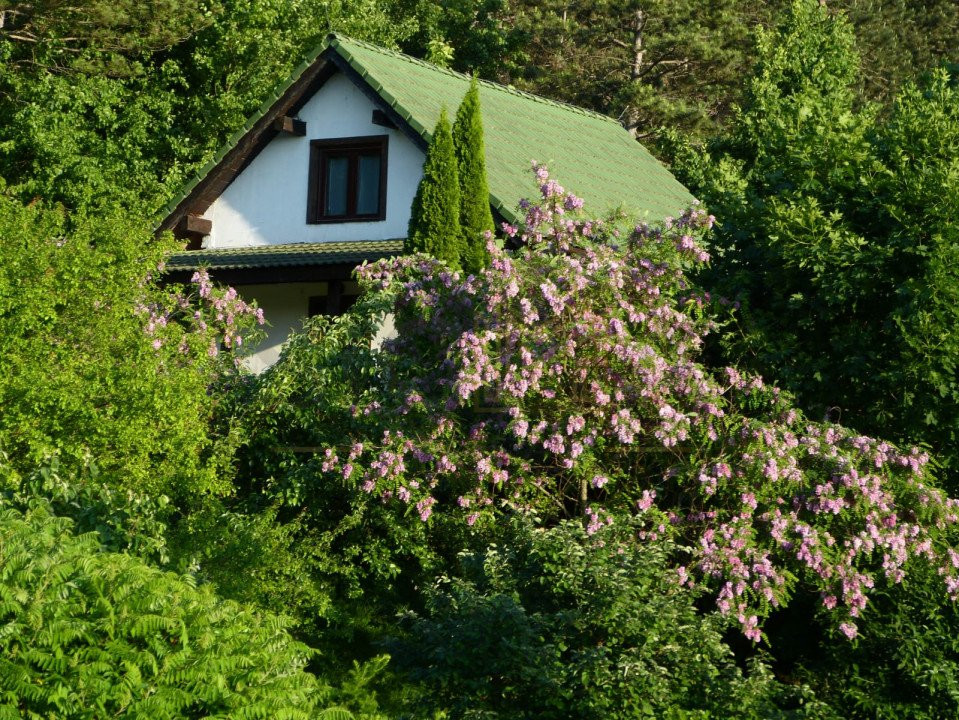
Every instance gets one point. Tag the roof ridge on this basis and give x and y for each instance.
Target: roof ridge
(334, 38)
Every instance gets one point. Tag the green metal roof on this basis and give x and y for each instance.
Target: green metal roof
(288, 255)
(590, 154)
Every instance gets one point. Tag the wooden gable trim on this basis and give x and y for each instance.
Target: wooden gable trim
(193, 229)
(212, 185)
(380, 118)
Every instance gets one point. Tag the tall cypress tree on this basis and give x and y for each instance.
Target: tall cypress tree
(434, 223)
(475, 215)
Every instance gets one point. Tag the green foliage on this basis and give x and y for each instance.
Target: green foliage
(86, 140)
(553, 623)
(685, 72)
(664, 62)
(900, 38)
(93, 634)
(105, 34)
(473, 36)
(839, 236)
(125, 520)
(81, 379)
(476, 219)
(103, 102)
(434, 226)
(121, 102)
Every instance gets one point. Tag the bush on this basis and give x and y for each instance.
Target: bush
(99, 366)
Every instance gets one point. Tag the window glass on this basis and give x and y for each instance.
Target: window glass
(337, 179)
(368, 185)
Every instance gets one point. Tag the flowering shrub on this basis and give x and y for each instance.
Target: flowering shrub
(564, 380)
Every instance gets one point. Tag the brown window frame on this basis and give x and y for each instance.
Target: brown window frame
(351, 147)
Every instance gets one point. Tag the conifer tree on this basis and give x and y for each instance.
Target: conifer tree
(475, 216)
(434, 223)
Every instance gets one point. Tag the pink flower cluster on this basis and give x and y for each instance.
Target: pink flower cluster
(207, 319)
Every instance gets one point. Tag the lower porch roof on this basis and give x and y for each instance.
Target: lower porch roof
(290, 262)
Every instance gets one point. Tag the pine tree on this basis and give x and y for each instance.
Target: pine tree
(434, 223)
(475, 216)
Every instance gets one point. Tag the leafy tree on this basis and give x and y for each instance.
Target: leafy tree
(838, 235)
(476, 219)
(668, 63)
(91, 633)
(435, 216)
(99, 367)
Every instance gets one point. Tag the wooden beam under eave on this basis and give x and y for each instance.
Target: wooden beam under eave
(290, 125)
(193, 229)
(382, 119)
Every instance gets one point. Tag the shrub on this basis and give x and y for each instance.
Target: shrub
(100, 366)
(555, 623)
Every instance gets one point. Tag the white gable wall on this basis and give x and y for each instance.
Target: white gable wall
(266, 203)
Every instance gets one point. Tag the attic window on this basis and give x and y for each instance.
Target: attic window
(347, 180)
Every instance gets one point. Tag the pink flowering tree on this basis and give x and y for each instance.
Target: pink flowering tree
(564, 381)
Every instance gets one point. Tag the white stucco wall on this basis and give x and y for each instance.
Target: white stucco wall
(266, 203)
(284, 307)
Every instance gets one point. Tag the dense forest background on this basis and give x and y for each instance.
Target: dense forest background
(725, 546)
(106, 101)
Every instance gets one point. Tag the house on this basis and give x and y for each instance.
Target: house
(322, 178)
